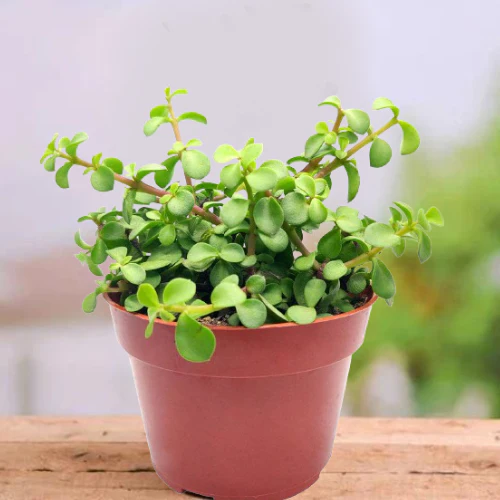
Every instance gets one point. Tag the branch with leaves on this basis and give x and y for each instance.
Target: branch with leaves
(234, 249)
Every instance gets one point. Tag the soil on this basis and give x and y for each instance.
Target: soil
(222, 320)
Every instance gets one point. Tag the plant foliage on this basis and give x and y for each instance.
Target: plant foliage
(184, 251)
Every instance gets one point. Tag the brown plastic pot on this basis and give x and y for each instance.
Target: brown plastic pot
(257, 421)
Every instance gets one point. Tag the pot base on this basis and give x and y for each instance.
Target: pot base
(277, 495)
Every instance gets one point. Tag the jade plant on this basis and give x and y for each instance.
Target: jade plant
(231, 252)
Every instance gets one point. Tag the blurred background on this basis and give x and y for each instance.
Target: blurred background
(254, 68)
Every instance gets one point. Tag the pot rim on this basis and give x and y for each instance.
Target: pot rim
(159, 321)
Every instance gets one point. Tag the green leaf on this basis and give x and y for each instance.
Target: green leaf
(195, 164)
(103, 179)
(276, 313)
(201, 252)
(424, 246)
(382, 281)
(348, 221)
(322, 128)
(225, 153)
(234, 211)
(231, 175)
(381, 235)
(152, 125)
(220, 271)
(434, 216)
(411, 139)
(256, 283)
(279, 168)
(399, 249)
(353, 181)
(383, 102)
(314, 290)
(272, 293)
(305, 262)
(262, 179)
(50, 164)
(333, 100)
(232, 252)
(148, 169)
(132, 303)
(79, 241)
(407, 210)
(118, 253)
(75, 142)
(194, 342)
(113, 231)
(191, 115)
(227, 295)
(276, 243)
(152, 314)
(114, 164)
(178, 291)
(182, 203)
(162, 257)
(167, 235)
(330, 244)
(159, 111)
(396, 214)
(268, 215)
(250, 153)
(422, 219)
(306, 184)
(380, 153)
(134, 273)
(301, 315)
(147, 296)
(313, 144)
(252, 313)
(356, 284)
(164, 177)
(334, 270)
(317, 212)
(357, 120)
(98, 253)
(62, 175)
(295, 208)
(178, 92)
(89, 302)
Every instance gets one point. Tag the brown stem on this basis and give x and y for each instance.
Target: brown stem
(330, 167)
(252, 230)
(177, 133)
(143, 187)
(314, 163)
(294, 238)
(365, 257)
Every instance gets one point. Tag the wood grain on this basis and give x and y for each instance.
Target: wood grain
(107, 458)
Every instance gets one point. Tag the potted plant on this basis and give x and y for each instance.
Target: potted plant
(204, 264)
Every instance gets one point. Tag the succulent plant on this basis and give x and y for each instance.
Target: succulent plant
(234, 249)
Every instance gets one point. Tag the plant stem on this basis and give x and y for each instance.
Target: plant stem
(365, 257)
(294, 238)
(191, 309)
(338, 121)
(177, 133)
(252, 235)
(142, 186)
(330, 167)
(314, 163)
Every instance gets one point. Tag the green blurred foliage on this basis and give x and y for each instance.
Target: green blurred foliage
(445, 322)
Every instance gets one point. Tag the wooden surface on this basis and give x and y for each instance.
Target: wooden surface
(101, 458)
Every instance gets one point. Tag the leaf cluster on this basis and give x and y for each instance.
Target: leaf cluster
(234, 248)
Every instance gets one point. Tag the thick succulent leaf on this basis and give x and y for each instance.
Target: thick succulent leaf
(194, 342)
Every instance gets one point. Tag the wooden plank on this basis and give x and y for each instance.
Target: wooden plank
(346, 486)
(107, 458)
(365, 430)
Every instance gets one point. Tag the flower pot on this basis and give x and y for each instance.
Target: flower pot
(257, 421)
